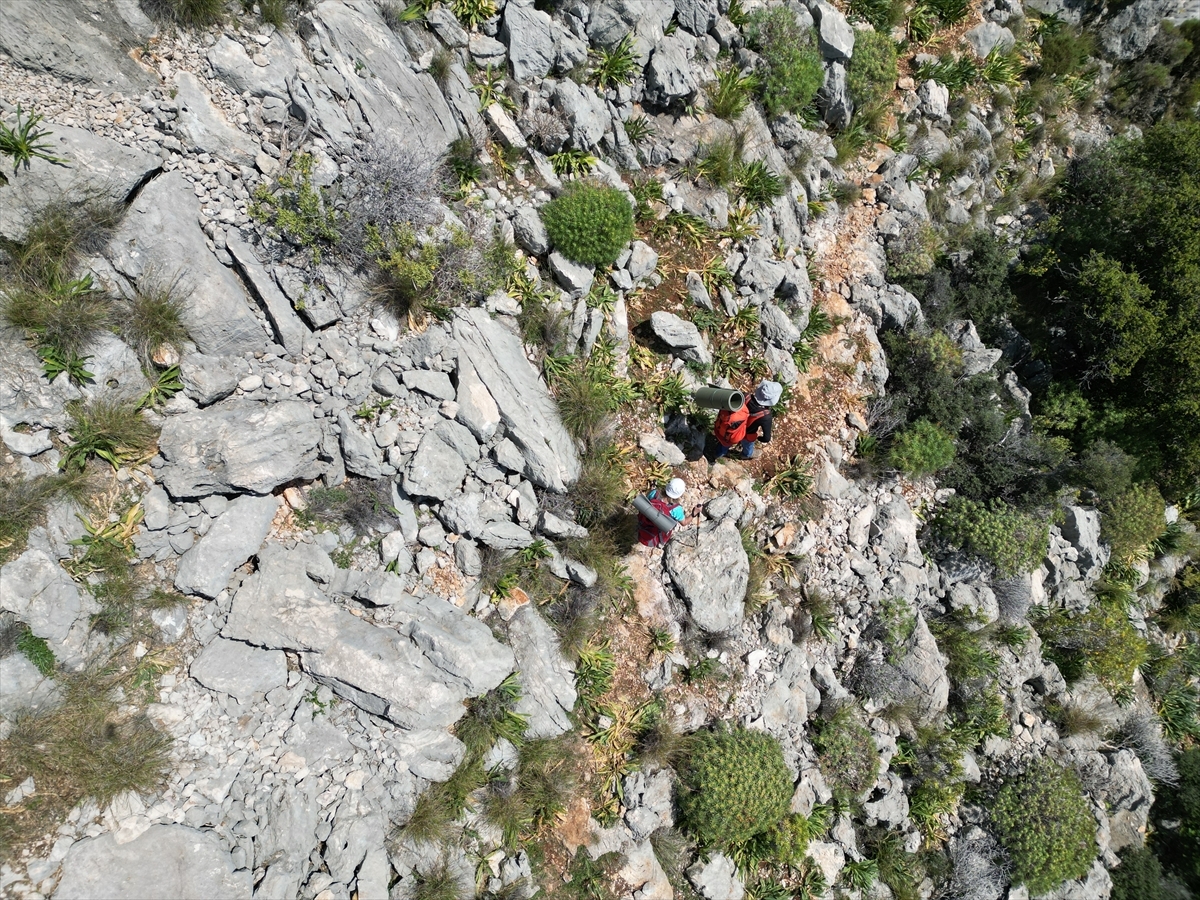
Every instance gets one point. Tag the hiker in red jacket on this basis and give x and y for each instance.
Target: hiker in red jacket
(649, 534)
(751, 423)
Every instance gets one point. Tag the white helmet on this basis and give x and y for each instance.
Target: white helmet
(675, 488)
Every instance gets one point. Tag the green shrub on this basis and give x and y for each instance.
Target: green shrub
(732, 786)
(153, 317)
(37, 651)
(791, 61)
(871, 73)
(1102, 641)
(1176, 815)
(1065, 50)
(1044, 821)
(1012, 541)
(847, 754)
(1139, 877)
(922, 449)
(187, 13)
(589, 223)
(25, 142)
(298, 208)
(1106, 469)
(758, 185)
(616, 66)
(730, 94)
(112, 430)
(967, 655)
(1131, 520)
(883, 15)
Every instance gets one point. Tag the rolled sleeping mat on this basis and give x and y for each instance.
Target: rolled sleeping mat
(658, 519)
(719, 398)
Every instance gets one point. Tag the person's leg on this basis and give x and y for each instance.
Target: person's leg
(722, 450)
(752, 434)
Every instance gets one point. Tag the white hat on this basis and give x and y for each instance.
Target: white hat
(768, 393)
(675, 488)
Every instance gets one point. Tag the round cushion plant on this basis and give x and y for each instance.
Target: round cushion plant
(733, 785)
(589, 223)
(1043, 819)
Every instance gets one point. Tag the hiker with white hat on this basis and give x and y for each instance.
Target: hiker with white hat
(652, 533)
(743, 427)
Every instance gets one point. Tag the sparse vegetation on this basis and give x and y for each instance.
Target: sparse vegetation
(846, 754)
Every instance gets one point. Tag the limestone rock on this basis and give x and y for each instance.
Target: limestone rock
(710, 571)
(235, 536)
(172, 862)
(92, 163)
(416, 672)
(202, 126)
(238, 669)
(159, 239)
(237, 446)
(681, 336)
(547, 682)
(528, 412)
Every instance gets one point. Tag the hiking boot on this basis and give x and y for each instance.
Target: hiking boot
(747, 449)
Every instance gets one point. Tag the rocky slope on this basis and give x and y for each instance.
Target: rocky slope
(312, 678)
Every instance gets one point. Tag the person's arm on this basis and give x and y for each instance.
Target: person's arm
(764, 428)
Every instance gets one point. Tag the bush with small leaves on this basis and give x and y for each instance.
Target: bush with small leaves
(589, 223)
(922, 449)
(792, 72)
(1044, 821)
(871, 73)
(847, 754)
(732, 786)
(1131, 520)
(1010, 540)
(1101, 641)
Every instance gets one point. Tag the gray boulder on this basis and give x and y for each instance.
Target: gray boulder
(526, 409)
(697, 16)
(834, 33)
(79, 41)
(529, 34)
(207, 379)
(235, 536)
(716, 878)
(792, 696)
(287, 836)
(36, 589)
(239, 670)
(92, 164)
(436, 470)
(988, 36)
(547, 682)
(833, 98)
(416, 672)
(916, 677)
(25, 688)
(1081, 527)
(669, 75)
(160, 239)
(239, 446)
(585, 113)
(710, 571)
(681, 336)
(289, 331)
(435, 384)
(233, 65)
(26, 398)
(171, 862)
(360, 452)
(777, 328)
(575, 278)
(394, 99)
(202, 126)
(977, 358)
(530, 232)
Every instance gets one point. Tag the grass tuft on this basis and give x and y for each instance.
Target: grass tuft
(110, 429)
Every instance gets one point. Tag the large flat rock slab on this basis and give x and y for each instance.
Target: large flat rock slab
(239, 446)
(710, 571)
(95, 168)
(417, 673)
(370, 62)
(79, 40)
(528, 412)
(161, 239)
(167, 862)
